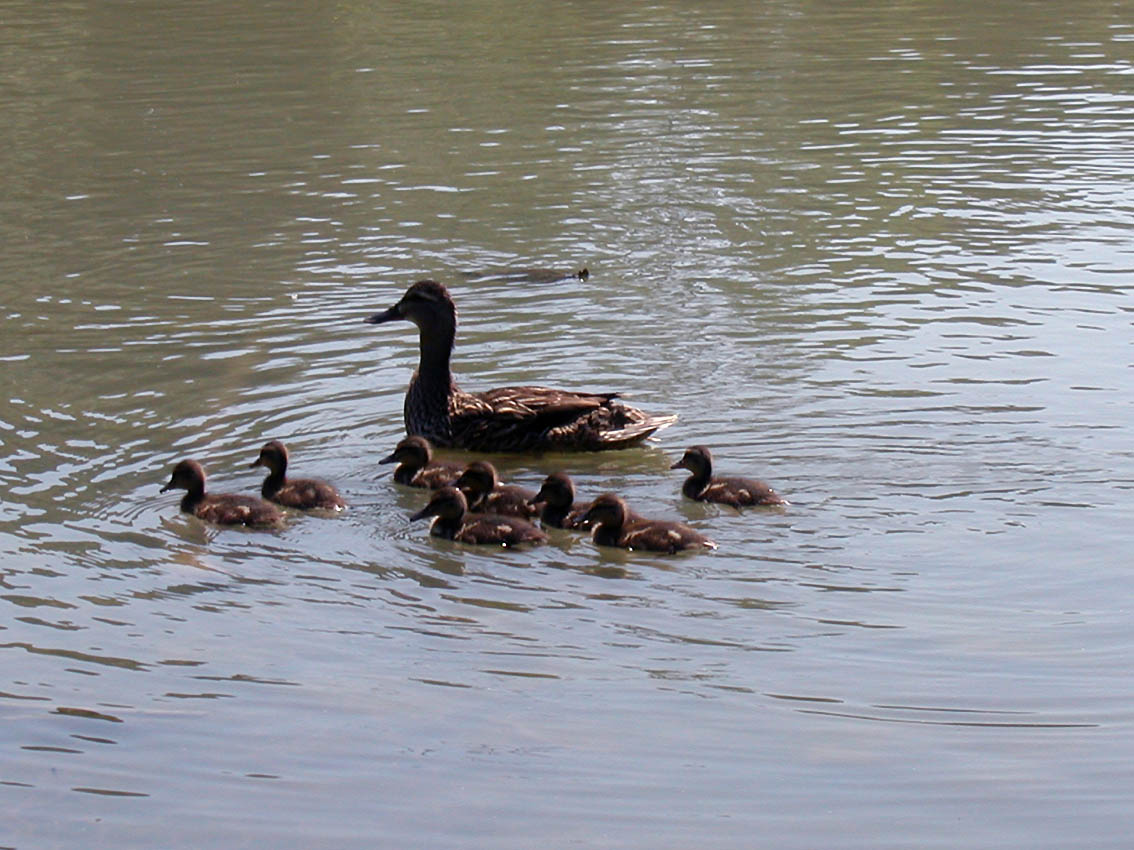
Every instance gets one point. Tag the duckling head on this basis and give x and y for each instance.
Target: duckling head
(478, 478)
(557, 490)
(413, 450)
(697, 459)
(273, 455)
(187, 475)
(448, 503)
(607, 509)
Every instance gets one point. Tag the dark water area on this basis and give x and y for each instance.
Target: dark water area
(876, 254)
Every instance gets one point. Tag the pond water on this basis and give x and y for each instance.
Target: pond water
(877, 254)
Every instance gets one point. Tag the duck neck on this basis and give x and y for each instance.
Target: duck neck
(194, 495)
(272, 483)
(696, 483)
(436, 345)
(427, 402)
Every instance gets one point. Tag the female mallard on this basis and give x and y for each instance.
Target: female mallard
(417, 468)
(486, 494)
(506, 418)
(221, 508)
(302, 493)
(557, 497)
(454, 522)
(738, 492)
(615, 527)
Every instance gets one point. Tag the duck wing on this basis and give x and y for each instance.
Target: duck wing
(524, 418)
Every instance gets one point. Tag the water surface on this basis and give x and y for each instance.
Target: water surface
(878, 255)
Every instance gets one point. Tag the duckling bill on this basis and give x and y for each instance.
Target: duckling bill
(505, 419)
(454, 522)
(219, 508)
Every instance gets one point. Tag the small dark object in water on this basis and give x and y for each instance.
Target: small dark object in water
(527, 275)
(738, 492)
(481, 486)
(301, 493)
(221, 508)
(614, 527)
(505, 419)
(417, 468)
(454, 522)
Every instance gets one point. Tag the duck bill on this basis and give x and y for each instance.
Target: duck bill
(422, 514)
(679, 465)
(257, 462)
(390, 315)
(388, 459)
(166, 488)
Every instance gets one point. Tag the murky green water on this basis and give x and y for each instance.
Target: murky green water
(877, 254)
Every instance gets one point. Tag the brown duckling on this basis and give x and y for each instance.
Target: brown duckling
(454, 522)
(417, 468)
(614, 527)
(738, 492)
(486, 494)
(513, 419)
(302, 493)
(559, 509)
(221, 508)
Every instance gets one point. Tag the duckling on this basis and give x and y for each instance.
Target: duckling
(486, 494)
(506, 419)
(557, 495)
(302, 493)
(221, 508)
(738, 492)
(613, 527)
(417, 468)
(454, 522)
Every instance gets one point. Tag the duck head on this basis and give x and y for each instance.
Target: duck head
(187, 475)
(448, 503)
(273, 455)
(415, 451)
(697, 459)
(427, 303)
(557, 490)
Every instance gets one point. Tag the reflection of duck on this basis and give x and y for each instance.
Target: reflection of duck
(614, 527)
(738, 492)
(527, 275)
(454, 522)
(557, 495)
(302, 493)
(221, 508)
(417, 468)
(481, 486)
(507, 418)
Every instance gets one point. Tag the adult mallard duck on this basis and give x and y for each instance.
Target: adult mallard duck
(454, 522)
(507, 418)
(738, 492)
(615, 527)
(417, 468)
(481, 486)
(221, 508)
(301, 493)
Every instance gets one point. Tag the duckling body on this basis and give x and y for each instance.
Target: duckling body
(219, 508)
(301, 493)
(417, 468)
(738, 492)
(614, 527)
(559, 508)
(455, 522)
(481, 486)
(523, 418)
